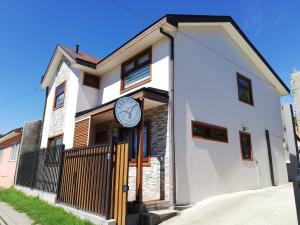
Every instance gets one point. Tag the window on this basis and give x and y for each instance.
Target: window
(53, 152)
(136, 71)
(91, 80)
(1, 153)
(14, 148)
(59, 96)
(245, 89)
(209, 132)
(133, 135)
(246, 147)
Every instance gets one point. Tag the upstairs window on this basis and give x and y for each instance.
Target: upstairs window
(91, 80)
(136, 71)
(14, 152)
(246, 147)
(244, 89)
(59, 96)
(209, 132)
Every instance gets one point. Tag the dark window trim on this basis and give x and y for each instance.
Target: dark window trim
(134, 58)
(49, 164)
(55, 95)
(209, 126)
(146, 160)
(242, 133)
(84, 80)
(55, 137)
(242, 77)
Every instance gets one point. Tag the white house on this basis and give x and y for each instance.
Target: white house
(211, 107)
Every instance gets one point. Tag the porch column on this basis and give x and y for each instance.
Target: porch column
(139, 169)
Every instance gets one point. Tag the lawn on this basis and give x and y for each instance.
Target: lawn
(39, 211)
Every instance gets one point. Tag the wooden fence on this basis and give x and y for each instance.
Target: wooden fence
(95, 179)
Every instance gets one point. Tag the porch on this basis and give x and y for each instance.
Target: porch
(98, 126)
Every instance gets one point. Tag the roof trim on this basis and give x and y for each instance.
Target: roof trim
(175, 19)
(66, 53)
(143, 89)
(11, 134)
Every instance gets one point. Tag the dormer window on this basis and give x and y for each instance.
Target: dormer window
(136, 71)
(59, 96)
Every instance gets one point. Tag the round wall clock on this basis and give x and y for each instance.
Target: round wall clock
(127, 112)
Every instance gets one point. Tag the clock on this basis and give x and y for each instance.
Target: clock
(127, 112)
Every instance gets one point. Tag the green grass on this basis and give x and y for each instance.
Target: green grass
(39, 211)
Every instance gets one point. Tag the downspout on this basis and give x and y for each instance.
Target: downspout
(171, 104)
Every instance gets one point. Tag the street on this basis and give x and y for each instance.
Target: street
(270, 206)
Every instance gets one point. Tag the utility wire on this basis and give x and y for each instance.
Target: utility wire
(19, 97)
(198, 42)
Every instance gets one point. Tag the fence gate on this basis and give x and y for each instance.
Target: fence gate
(92, 180)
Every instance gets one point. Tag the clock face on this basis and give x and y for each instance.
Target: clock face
(127, 112)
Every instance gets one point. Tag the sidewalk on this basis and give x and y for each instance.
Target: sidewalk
(9, 216)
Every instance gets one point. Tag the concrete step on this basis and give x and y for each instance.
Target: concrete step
(155, 205)
(157, 216)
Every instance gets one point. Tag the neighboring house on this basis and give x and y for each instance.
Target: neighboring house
(9, 149)
(208, 97)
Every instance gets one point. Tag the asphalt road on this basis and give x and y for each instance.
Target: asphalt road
(270, 206)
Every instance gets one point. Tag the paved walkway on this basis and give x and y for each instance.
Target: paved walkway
(9, 216)
(271, 206)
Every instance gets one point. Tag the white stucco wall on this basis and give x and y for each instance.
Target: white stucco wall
(87, 96)
(206, 91)
(62, 120)
(110, 82)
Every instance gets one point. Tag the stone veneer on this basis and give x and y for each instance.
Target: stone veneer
(156, 183)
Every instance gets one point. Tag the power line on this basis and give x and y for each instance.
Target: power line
(198, 42)
(19, 97)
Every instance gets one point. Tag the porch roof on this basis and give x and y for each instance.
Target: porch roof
(148, 93)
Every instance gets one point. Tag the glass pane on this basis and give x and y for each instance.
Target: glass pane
(145, 145)
(58, 141)
(60, 90)
(91, 80)
(60, 100)
(244, 95)
(143, 59)
(246, 146)
(244, 83)
(137, 75)
(128, 67)
(202, 130)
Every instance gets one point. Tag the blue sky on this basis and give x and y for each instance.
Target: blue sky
(30, 30)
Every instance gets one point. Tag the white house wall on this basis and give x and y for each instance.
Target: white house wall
(62, 120)
(87, 96)
(206, 91)
(110, 82)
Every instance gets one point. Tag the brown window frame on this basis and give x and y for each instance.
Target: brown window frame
(134, 59)
(84, 82)
(242, 133)
(207, 125)
(146, 160)
(242, 77)
(52, 163)
(57, 95)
